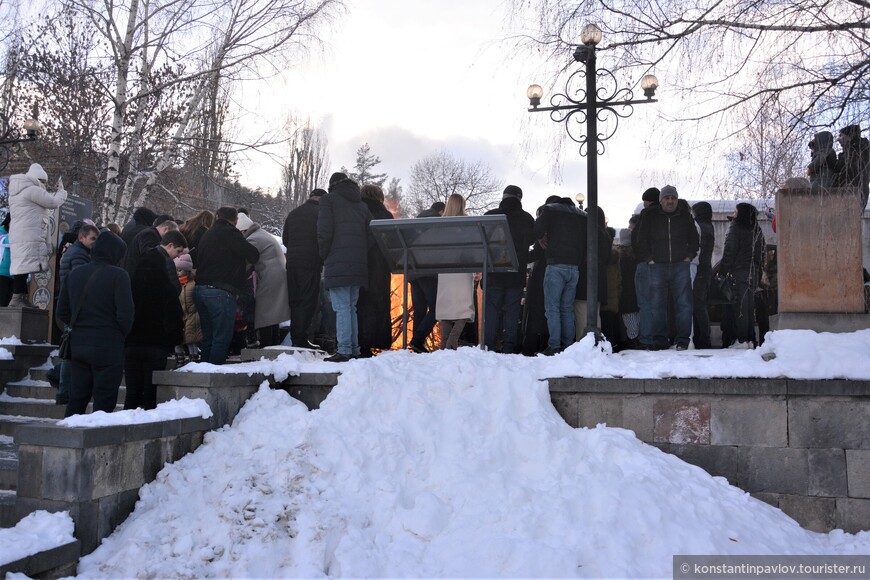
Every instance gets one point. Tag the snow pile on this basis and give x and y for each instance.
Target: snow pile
(39, 531)
(444, 465)
(182, 409)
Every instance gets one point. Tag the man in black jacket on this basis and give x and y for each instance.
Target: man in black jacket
(650, 200)
(223, 256)
(561, 230)
(104, 318)
(304, 266)
(146, 239)
(505, 292)
(700, 315)
(668, 241)
(343, 239)
(158, 324)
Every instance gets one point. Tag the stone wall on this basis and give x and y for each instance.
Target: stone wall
(803, 446)
(95, 473)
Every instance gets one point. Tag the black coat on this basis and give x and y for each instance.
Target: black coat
(223, 256)
(667, 237)
(106, 314)
(300, 236)
(564, 228)
(142, 218)
(744, 244)
(74, 256)
(522, 228)
(605, 244)
(343, 236)
(145, 240)
(159, 319)
(373, 309)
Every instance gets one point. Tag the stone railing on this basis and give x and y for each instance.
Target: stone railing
(95, 472)
(800, 445)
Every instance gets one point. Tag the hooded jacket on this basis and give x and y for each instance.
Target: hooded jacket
(707, 239)
(106, 314)
(853, 164)
(564, 228)
(300, 236)
(343, 236)
(823, 161)
(522, 227)
(31, 227)
(142, 218)
(744, 243)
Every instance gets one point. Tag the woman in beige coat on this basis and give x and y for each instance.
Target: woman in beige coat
(30, 206)
(454, 303)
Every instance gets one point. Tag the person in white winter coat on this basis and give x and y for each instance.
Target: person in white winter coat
(271, 300)
(454, 303)
(30, 206)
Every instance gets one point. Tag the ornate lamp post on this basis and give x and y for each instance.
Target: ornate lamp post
(11, 139)
(584, 105)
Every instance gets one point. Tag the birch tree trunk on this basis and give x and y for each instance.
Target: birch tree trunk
(122, 49)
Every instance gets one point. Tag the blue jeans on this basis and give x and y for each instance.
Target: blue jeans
(499, 298)
(641, 288)
(560, 287)
(344, 301)
(675, 279)
(217, 316)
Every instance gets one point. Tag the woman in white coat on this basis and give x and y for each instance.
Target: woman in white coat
(271, 300)
(30, 206)
(454, 303)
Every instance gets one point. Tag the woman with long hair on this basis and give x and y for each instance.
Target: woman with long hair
(454, 305)
(193, 229)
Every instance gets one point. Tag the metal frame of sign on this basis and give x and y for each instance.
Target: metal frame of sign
(444, 245)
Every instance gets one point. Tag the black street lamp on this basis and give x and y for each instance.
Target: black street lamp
(11, 139)
(590, 104)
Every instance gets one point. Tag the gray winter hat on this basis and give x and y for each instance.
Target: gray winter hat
(668, 190)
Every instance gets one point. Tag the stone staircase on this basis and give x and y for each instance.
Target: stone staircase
(27, 401)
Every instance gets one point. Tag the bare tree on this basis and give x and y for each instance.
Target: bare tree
(307, 162)
(812, 56)
(439, 175)
(724, 64)
(763, 156)
(207, 41)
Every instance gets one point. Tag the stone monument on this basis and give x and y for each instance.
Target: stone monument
(819, 259)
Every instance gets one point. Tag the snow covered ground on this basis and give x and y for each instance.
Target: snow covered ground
(456, 464)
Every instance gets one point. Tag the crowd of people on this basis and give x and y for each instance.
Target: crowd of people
(203, 288)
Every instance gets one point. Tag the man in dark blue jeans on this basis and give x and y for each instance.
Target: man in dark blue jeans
(668, 241)
(222, 258)
(505, 291)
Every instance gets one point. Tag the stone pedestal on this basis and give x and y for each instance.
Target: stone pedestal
(819, 260)
(28, 324)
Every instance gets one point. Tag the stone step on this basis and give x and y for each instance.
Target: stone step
(9, 423)
(31, 389)
(8, 517)
(39, 373)
(8, 463)
(39, 408)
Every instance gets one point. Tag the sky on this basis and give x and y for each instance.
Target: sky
(411, 78)
(415, 467)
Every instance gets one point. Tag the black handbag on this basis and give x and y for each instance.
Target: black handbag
(722, 290)
(64, 350)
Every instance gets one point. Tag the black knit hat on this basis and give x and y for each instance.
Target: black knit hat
(336, 177)
(317, 193)
(651, 194)
(512, 191)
